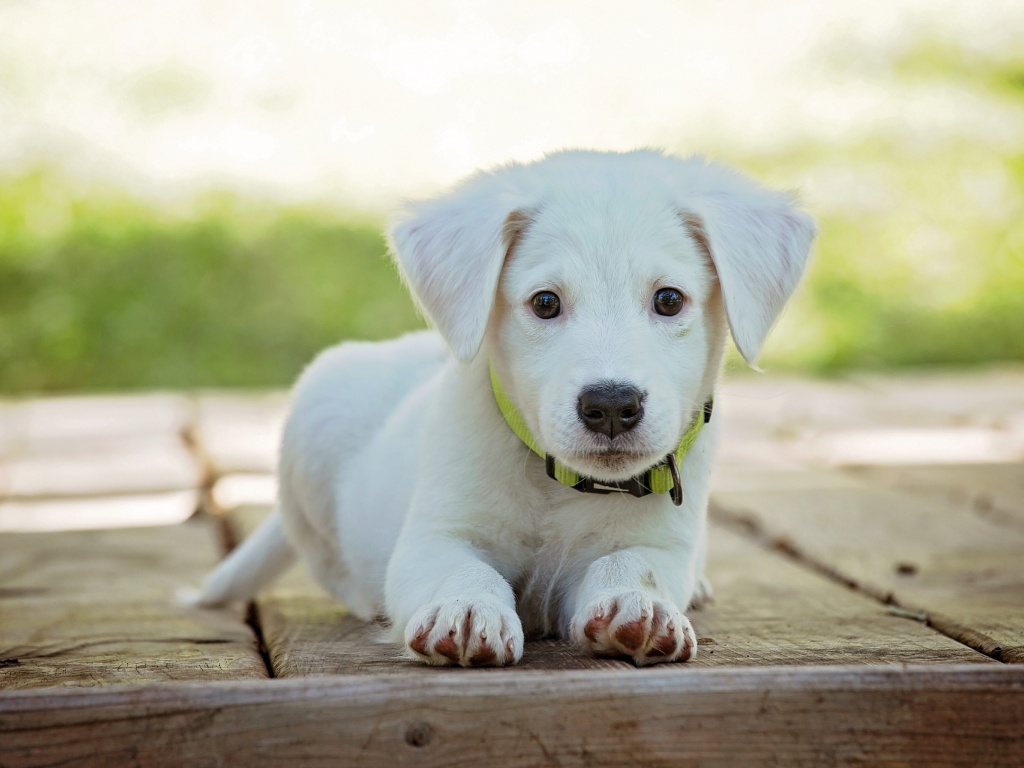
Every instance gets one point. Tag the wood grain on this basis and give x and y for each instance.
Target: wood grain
(768, 611)
(823, 716)
(771, 611)
(927, 554)
(98, 607)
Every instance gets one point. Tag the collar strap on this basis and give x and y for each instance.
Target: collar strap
(663, 477)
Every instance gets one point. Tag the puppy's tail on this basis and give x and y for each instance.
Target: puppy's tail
(249, 567)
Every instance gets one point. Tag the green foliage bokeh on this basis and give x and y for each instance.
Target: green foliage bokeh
(108, 293)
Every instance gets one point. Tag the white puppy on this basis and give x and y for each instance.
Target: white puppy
(581, 305)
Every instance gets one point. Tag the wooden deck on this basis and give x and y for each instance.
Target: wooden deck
(867, 556)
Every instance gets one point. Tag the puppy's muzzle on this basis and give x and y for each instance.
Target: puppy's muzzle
(610, 408)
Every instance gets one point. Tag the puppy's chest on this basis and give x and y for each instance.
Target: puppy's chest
(541, 585)
(554, 556)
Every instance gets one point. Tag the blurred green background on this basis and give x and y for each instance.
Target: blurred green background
(120, 294)
(920, 262)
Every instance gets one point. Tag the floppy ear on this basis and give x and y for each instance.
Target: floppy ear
(758, 242)
(450, 251)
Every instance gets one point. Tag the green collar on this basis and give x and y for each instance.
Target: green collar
(663, 477)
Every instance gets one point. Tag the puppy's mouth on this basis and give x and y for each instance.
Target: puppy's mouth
(611, 464)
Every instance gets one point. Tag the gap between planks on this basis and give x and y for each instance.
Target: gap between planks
(209, 474)
(252, 609)
(750, 527)
(87, 608)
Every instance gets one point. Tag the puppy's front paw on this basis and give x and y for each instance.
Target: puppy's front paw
(472, 632)
(633, 624)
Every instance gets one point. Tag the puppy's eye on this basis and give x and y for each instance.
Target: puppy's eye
(546, 305)
(668, 301)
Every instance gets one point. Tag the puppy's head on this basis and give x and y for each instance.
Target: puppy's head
(600, 287)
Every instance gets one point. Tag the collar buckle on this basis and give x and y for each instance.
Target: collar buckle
(638, 486)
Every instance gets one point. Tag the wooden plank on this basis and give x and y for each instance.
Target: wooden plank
(45, 424)
(732, 478)
(780, 422)
(309, 633)
(992, 491)
(98, 607)
(888, 443)
(314, 636)
(240, 433)
(834, 716)
(243, 489)
(149, 464)
(777, 402)
(768, 611)
(100, 512)
(931, 556)
(764, 420)
(990, 398)
(771, 611)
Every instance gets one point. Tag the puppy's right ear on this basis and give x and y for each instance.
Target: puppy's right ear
(450, 251)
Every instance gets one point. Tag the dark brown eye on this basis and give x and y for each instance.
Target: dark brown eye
(668, 301)
(546, 305)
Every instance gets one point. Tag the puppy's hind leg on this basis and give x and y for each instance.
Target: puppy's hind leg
(703, 594)
(249, 567)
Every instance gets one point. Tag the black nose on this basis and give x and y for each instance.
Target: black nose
(610, 408)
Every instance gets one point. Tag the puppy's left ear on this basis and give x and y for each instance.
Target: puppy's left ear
(450, 251)
(759, 243)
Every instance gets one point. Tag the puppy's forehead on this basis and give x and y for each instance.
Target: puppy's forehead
(622, 231)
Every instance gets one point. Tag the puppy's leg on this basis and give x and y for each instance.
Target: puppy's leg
(454, 607)
(626, 606)
(703, 595)
(249, 567)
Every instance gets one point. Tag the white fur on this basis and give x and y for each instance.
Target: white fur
(407, 494)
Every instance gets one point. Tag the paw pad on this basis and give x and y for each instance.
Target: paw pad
(459, 632)
(636, 626)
